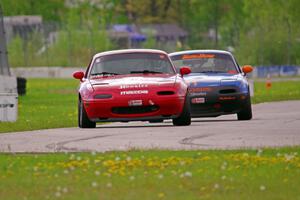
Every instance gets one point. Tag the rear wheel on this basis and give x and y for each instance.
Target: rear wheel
(83, 120)
(184, 118)
(246, 112)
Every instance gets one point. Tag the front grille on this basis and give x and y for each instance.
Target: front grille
(227, 91)
(134, 109)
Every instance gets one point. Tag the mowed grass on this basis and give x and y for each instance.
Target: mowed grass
(49, 103)
(52, 103)
(279, 91)
(243, 174)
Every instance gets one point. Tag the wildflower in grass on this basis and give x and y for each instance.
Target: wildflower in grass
(109, 185)
(97, 173)
(117, 158)
(288, 157)
(259, 152)
(160, 176)
(182, 163)
(57, 194)
(223, 177)
(161, 195)
(65, 190)
(223, 167)
(93, 153)
(35, 168)
(72, 157)
(174, 172)
(278, 154)
(78, 158)
(216, 186)
(94, 184)
(128, 158)
(66, 171)
(131, 178)
(262, 188)
(245, 154)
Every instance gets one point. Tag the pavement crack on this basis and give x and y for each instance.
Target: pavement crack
(60, 146)
(190, 140)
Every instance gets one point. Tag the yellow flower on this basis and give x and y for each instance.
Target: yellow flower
(161, 195)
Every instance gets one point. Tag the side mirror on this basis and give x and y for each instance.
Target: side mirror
(78, 75)
(247, 69)
(185, 70)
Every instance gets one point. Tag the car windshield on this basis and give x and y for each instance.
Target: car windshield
(132, 63)
(206, 63)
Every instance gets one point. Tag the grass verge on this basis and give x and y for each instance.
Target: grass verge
(49, 103)
(52, 103)
(243, 174)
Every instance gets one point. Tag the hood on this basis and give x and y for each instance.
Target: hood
(133, 81)
(212, 80)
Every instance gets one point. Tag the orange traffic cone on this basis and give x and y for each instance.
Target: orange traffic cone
(268, 82)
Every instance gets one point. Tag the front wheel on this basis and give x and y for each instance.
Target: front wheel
(83, 120)
(246, 112)
(184, 118)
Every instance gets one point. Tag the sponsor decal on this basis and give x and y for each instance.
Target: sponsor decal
(131, 92)
(195, 56)
(227, 98)
(198, 100)
(151, 102)
(200, 89)
(6, 105)
(201, 93)
(135, 102)
(133, 86)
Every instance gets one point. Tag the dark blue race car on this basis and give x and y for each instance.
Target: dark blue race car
(217, 85)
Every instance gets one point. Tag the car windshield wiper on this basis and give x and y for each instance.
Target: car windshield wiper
(104, 73)
(145, 72)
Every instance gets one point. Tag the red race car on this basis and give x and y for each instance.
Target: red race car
(132, 85)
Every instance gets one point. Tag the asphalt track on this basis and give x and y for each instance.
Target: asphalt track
(274, 124)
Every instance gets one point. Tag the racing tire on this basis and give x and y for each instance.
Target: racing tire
(184, 119)
(83, 120)
(246, 112)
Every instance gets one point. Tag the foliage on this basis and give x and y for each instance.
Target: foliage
(261, 32)
(238, 174)
(50, 10)
(72, 46)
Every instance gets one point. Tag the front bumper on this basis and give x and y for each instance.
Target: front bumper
(111, 110)
(213, 105)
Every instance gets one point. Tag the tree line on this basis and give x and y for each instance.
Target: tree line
(259, 32)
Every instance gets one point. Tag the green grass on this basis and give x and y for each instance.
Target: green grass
(52, 103)
(243, 174)
(280, 91)
(49, 103)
